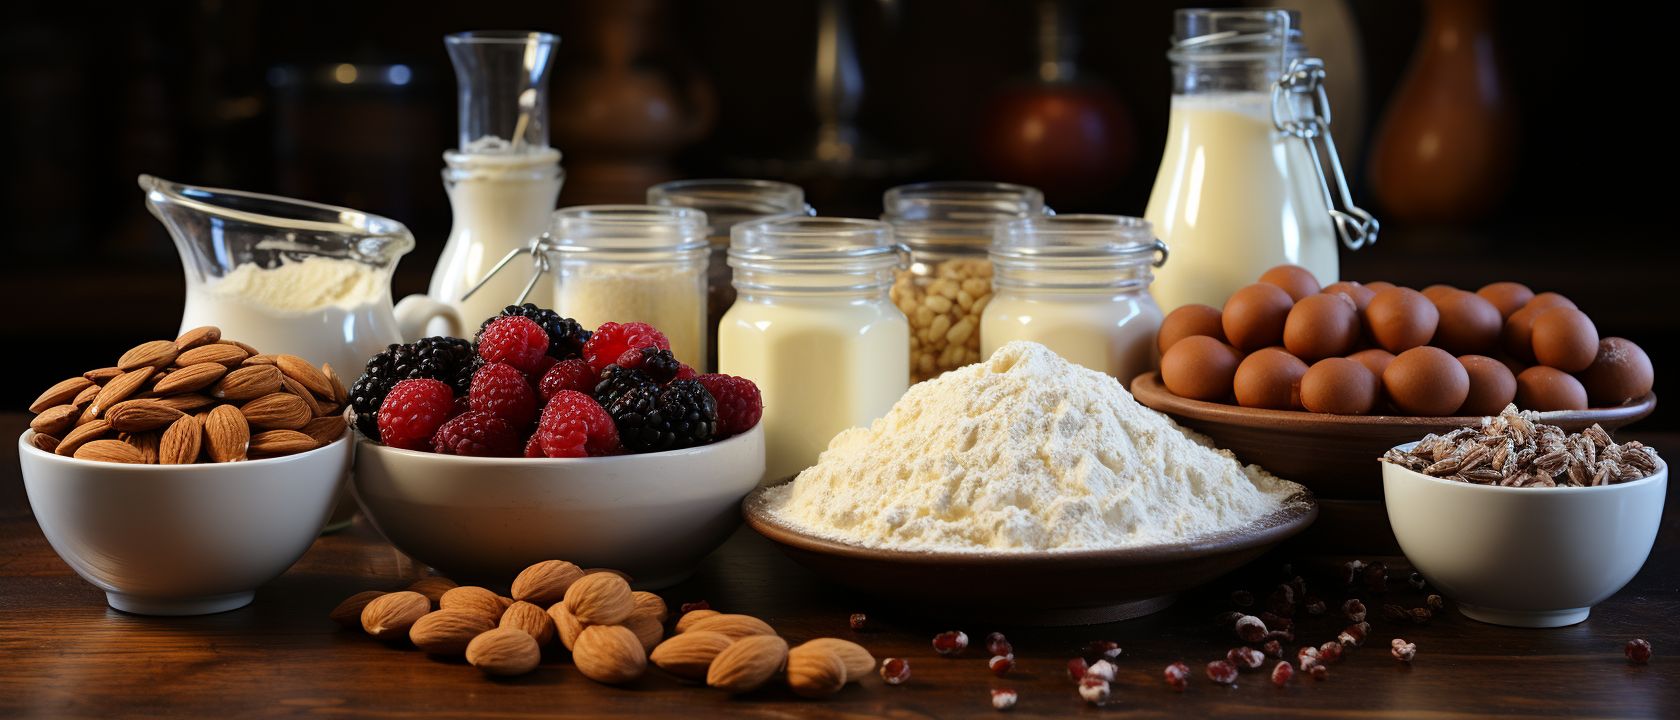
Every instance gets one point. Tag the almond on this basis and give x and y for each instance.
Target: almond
(44, 443)
(56, 420)
(340, 395)
(276, 443)
(389, 616)
(186, 402)
(249, 351)
(277, 411)
(648, 630)
(326, 430)
(815, 672)
(689, 655)
(258, 360)
(297, 390)
(102, 375)
(600, 599)
(157, 354)
(227, 437)
(747, 664)
(217, 352)
(476, 600)
(735, 626)
(434, 588)
(181, 442)
(81, 434)
(198, 336)
(141, 415)
(687, 621)
(115, 451)
(610, 571)
(146, 442)
(247, 383)
(565, 626)
(522, 615)
(609, 654)
(859, 663)
(349, 612)
(118, 390)
(86, 396)
(300, 370)
(506, 602)
(650, 605)
(190, 378)
(60, 394)
(504, 651)
(545, 583)
(447, 632)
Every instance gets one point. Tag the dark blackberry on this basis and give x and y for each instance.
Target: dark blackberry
(616, 381)
(679, 415)
(661, 366)
(565, 335)
(450, 360)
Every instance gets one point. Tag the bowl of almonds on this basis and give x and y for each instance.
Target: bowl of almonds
(189, 473)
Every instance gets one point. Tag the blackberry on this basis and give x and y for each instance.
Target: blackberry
(616, 381)
(565, 335)
(661, 366)
(679, 415)
(450, 360)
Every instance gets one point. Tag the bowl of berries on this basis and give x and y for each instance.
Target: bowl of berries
(542, 439)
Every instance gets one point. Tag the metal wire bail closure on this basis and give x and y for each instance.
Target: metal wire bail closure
(538, 250)
(1161, 249)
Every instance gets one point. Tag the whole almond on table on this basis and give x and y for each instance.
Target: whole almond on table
(60, 394)
(247, 383)
(815, 672)
(504, 651)
(110, 451)
(448, 632)
(190, 378)
(434, 588)
(545, 583)
(735, 626)
(748, 663)
(566, 627)
(609, 654)
(473, 599)
(80, 435)
(141, 415)
(620, 573)
(600, 599)
(389, 616)
(647, 630)
(349, 612)
(533, 620)
(690, 655)
(687, 621)
(650, 605)
(157, 354)
(227, 355)
(859, 663)
(227, 437)
(277, 411)
(300, 370)
(180, 443)
(198, 336)
(55, 421)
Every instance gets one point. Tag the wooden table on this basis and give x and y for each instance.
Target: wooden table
(64, 653)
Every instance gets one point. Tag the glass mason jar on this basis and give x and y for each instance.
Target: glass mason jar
(634, 263)
(1079, 285)
(727, 203)
(812, 325)
(948, 226)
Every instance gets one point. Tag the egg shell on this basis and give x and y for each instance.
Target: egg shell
(1438, 291)
(1374, 359)
(1545, 389)
(1516, 337)
(1620, 372)
(1360, 294)
(1294, 279)
(1469, 324)
(1187, 320)
(1200, 368)
(1509, 297)
(1339, 386)
(1549, 300)
(1269, 378)
(1380, 285)
(1492, 386)
(1426, 381)
(1401, 319)
(1254, 316)
(1564, 338)
(1321, 326)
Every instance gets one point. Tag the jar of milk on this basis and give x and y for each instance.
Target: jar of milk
(812, 325)
(1079, 285)
(948, 226)
(1240, 189)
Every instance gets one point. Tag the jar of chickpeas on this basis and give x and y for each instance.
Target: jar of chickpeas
(948, 227)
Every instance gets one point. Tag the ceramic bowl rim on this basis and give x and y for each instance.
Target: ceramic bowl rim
(24, 446)
(1413, 475)
(364, 444)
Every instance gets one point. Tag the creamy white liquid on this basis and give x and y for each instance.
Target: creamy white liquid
(498, 208)
(1234, 198)
(1109, 333)
(823, 364)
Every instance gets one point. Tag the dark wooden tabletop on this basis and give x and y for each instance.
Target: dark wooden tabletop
(65, 654)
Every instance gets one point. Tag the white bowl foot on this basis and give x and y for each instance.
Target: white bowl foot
(1525, 618)
(180, 606)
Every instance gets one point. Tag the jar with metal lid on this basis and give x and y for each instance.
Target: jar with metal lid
(633, 263)
(1079, 285)
(812, 325)
(727, 202)
(947, 226)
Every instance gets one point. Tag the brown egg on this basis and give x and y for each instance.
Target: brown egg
(1360, 294)
(1321, 326)
(1565, 338)
(1200, 367)
(1509, 297)
(1401, 319)
(1492, 386)
(1380, 286)
(1339, 386)
(1187, 320)
(1549, 300)
(1516, 337)
(1469, 324)
(1426, 381)
(1545, 389)
(1294, 279)
(1254, 316)
(1375, 359)
(1621, 372)
(1269, 378)
(1435, 292)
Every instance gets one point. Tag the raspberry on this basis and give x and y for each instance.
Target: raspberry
(533, 446)
(413, 411)
(544, 364)
(685, 373)
(739, 404)
(461, 405)
(517, 341)
(573, 374)
(574, 425)
(659, 365)
(612, 340)
(502, 391)
(565, 336)
(479, 434)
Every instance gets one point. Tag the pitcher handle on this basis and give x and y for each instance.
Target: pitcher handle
(416, 311)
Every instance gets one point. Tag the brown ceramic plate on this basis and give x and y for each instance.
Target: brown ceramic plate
(1036, 588)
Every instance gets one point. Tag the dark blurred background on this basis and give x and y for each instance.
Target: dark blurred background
(250, 95)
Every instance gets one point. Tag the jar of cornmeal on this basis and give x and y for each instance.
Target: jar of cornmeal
(634, 263)
(812, 325)
(1079, 285)
(948, 226)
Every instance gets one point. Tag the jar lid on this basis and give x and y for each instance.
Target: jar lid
(1234, 34)
(813, 238)
(1121, 239)
(627, 228)
(957, 212)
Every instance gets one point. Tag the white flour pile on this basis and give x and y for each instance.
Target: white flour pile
(315, 282)
(1022, 452)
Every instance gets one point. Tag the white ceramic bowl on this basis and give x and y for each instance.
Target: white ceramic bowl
(182, 539)
(654, 516)
(1525, 557)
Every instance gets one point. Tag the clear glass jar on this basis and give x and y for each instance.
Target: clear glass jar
(726, 204)
(812, 325)
(1079, 285)
(634, 263)
(948, 226)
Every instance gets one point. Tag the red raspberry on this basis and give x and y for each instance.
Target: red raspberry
(685, 373)
(517, 341)
(502, 391)
(574, 425)
(461, 405)
(544, 364)
(533, 446)
(611, 340)
(479, 434)
(739, 404)
(573, 374)
(413, 411)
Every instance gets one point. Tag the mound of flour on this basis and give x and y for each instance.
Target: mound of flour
(1023, 452)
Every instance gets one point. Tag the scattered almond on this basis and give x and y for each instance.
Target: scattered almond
(747, 664)
(277, 411)
(689, 655)
(650, 605)
(300, 370)
(476, 600)
(109, 451)
(227, 437)
(626, 576)
(859, 663)
(198, 336)
(190, 378)
(504, 651)
(247, 383)
(566, 626)
(448, 632)
(545, 583)
(80, 435)
(60, 394)
(815, 672)
(530, 618)
(349, 612)
(434, 588)
(118, 390)
(687, 621)
(647, 630)
(389, 616)
(217, 352)
(600, 599)
(55, 421)
(735, 626)
(140, 415)
(609, 654)
(157, 354)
